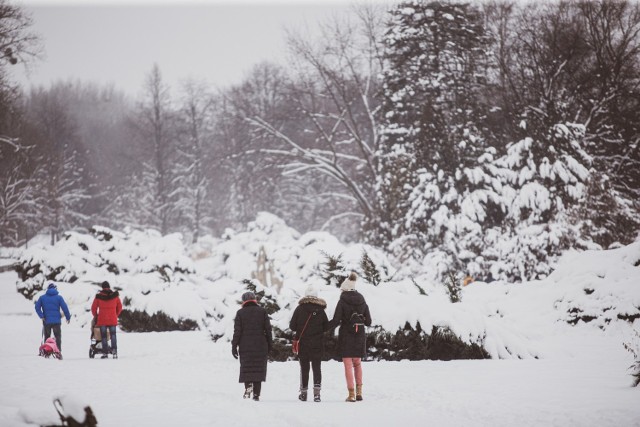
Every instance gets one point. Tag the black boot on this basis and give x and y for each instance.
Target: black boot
(247, 391)
(257, 386)
(303, 394)
(316, 393)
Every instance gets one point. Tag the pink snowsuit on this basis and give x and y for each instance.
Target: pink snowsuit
(50, 346)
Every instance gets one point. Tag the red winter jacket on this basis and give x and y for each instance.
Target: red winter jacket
(107, 307)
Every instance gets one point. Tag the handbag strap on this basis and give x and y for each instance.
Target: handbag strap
(305, 326)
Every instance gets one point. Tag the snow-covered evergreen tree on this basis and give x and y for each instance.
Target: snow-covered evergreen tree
(434, 142)
(540, 179)
(493, 201)
(576, 65)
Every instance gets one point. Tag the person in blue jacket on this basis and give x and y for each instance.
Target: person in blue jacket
(48, 309)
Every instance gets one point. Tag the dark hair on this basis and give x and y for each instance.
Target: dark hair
(105, 285)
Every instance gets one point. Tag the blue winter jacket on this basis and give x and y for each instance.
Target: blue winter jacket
(48, 307)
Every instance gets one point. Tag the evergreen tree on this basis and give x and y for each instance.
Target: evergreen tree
(369, 270)
(435, 142)
(333, 269)
(453, 287)
(568, 73)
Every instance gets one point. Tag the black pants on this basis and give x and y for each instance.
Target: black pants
(57, 332)
(257, 386)
(305, 364)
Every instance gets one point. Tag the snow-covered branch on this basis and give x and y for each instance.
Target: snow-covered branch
(318, 160)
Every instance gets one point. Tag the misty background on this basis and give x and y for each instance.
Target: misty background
(492, 136)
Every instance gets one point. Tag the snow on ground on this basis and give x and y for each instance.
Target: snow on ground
(183, 378)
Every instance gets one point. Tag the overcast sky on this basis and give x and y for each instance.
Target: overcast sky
(119, 43)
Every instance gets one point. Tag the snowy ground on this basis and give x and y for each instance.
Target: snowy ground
(182, 378)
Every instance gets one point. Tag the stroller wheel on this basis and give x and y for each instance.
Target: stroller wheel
(91, 353)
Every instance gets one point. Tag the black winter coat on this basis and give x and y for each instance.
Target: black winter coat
(312, 341)
(350, 345)
(252, 335)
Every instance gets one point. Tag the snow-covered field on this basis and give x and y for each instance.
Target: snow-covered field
(183, 378)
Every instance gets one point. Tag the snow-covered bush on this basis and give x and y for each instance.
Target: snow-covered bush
(145, 267)
(600, 287)
(162, 288)
(633, 347)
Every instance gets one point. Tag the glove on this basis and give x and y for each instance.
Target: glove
(234, 351)
(68, 320)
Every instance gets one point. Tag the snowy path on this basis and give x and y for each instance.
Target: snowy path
(183, 379)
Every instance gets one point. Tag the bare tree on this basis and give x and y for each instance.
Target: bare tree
(334, 90)
(17, 44)
(193, 181)
(611, 86)
(133, 204)
(19, 202)
(250, 176)
(156, 126)
(61, 178)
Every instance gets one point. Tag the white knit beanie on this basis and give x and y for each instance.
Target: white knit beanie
(311, 291)
(349, 283)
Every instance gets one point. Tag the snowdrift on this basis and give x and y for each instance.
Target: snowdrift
(161, 280)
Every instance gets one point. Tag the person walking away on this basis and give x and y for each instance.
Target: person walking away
(48, 308)
(309, 322)
(252, 342)
(106, 308)
(352, 315)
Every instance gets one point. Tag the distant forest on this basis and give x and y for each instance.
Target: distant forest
(492, 136)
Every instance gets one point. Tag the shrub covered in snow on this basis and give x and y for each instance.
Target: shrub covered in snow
(147, 268)
(163, 288)
(633, 347)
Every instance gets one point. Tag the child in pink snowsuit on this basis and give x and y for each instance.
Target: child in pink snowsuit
(50, 348)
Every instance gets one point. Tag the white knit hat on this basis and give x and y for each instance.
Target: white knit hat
(311, 291)
(349, 283)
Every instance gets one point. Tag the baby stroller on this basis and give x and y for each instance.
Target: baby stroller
(96, 341)
(50, 349)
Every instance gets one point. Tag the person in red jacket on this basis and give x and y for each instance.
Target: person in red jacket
(107, 307)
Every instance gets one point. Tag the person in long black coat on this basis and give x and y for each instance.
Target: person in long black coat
(351, 346)
(309, 322)
(252, 341)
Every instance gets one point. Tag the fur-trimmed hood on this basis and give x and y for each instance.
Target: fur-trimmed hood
(313, 300)
(107, 294)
